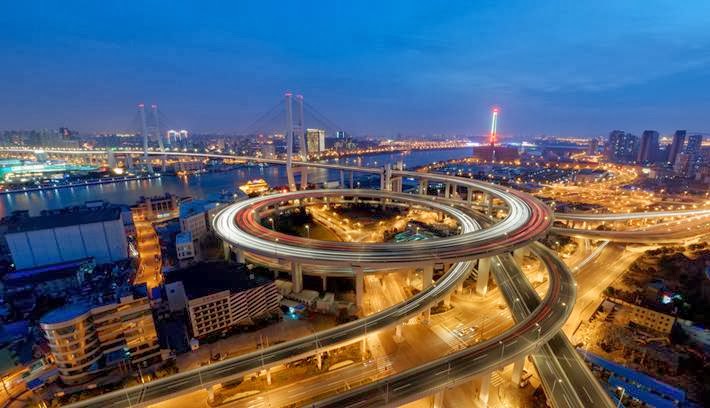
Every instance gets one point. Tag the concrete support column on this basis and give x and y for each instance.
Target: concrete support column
(398, 337)
(240, 256)
(227, 250)
(447, 190)
(290, 177)
(519, 254)
(359, 285)
(459, 288)
(427, 277)
(485, 388)
(210, 393)
(423, 186)
(319, 360)
(304, 178)
(447, 300)
(489, 204)
(439, 399)
(296, 276)
(484, 270)
(469, 194)
(268, 376)
(342, 178)
(518, 366)
(325, 282)
(363, 347)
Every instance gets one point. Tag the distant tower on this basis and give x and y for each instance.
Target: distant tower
(144, 130)
(494, 127)
(159, 135)
(302, 151)
(289, 142)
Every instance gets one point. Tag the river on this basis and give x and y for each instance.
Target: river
(203, 184)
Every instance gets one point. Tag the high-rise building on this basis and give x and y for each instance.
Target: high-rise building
(694, 144)
(87, 339)
(622, 146)
(593, 145)
(315, 140)
(676, 146)
(268, 151)
(694, 150)
(648, 148)
(340, 134)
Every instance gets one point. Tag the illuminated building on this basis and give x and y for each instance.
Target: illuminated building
(648, 148)
(315, 140)
(186, 247)
(155, 208)
(268, 151)
(193, 218)
(60, 236)
(218, 296)
(255, 187)
(86, 339)
(16, 170)
(676, 146)
(621, 146)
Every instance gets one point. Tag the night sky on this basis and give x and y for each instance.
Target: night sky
(374, 67)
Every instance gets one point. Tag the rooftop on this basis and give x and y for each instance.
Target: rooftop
(206, 278)
(66, 312)
(183, 238)
(190, 208)
(66, 218)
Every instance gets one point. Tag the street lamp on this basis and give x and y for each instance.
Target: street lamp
(308, 231)
(502, 348)
(271, 220)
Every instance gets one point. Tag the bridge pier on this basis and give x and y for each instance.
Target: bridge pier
(520, 254)
(423, 186)
(427, 277)
(398, 337)
(352, 176)
(484, 270)
(485, 388)
(489, 204)
(363, 347)
(210, 393)
(227, 250)
(319, 360)
(240, 256)
(304, 178)
(297, 276)
(268, 376)
(290, 177)
(342, 178)
(469, 195)
(518, 366)
(324, 281)
(439, 399)
(359, 285)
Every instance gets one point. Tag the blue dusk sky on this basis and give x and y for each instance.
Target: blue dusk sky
(374, 67)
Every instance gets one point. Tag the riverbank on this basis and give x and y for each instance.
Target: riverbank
(107, 180)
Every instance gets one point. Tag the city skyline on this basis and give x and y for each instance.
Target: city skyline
(554, 69)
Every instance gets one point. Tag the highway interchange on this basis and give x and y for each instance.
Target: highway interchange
(536, 330)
